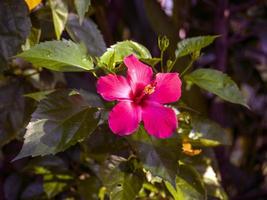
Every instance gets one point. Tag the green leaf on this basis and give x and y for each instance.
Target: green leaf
(38, 96)
(218, 83)
(14, 109)
(189, 185)
(160, 157)
(87, 33)
(64, 56)
(54, 183)
(82, 7)
(151, 61)
(207, 133)
(15, 25)
(89, 187)
(59, 10)
(118, 51)
(120, 183)
(60, 121)
(192, 45)
(33, 39)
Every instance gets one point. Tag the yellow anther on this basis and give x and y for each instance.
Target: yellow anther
(149, 89)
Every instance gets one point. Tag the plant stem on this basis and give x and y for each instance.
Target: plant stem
(171, 66)
(188, 67)
(161, 60)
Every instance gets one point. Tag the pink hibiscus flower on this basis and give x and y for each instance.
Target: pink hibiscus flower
(141, 98)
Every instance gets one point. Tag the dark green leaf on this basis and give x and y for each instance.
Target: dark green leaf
(38, 96)
(33, 39)
(82, 7)
(89, 187)
(60, 120)
(61, 56)
(33, 191)
(59, 10)
(207, 133)
(218, 83)
(160, 157)
(121, 184)
(189, 185)
(151, 61)
(87, 33)
(192, 45)
(118, 51)
(12, 108)
(15, 26)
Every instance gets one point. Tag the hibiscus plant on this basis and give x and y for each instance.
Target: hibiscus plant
(135, 132)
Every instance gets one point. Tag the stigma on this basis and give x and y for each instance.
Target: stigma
(150, 88)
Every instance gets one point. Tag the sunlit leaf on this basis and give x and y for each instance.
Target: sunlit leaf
(118, 51)
(53, 183)
(60, 121)
(87, 33)
(59, 10)
(82, 7)
(61, 56)
(192, 45)
(218, 83)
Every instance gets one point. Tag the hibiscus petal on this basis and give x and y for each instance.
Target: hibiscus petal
(138, 74)
(168, 88)
(113, 87)
(159, 121)
(124, 118)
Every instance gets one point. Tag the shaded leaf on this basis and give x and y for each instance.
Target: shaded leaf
(160, 157)
(12, 109)
(61, 56)
(15, 26)
(118, 51)
(32, 39)
(89, 187)
(189, 185)
(121, 184)
(192, 45)
(151, 61)
(60, 121)
(33, 191)
(12, 186)
(87, 33)
(59, 10)
(207, 133)
(38, 96)
(218, 83)
(82, 7)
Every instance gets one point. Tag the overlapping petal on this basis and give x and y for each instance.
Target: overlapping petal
(159, 121)
(168, 88)
(113, 87)
(138, 74)
(124, 118)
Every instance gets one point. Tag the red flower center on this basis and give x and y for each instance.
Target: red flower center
(142, 92)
